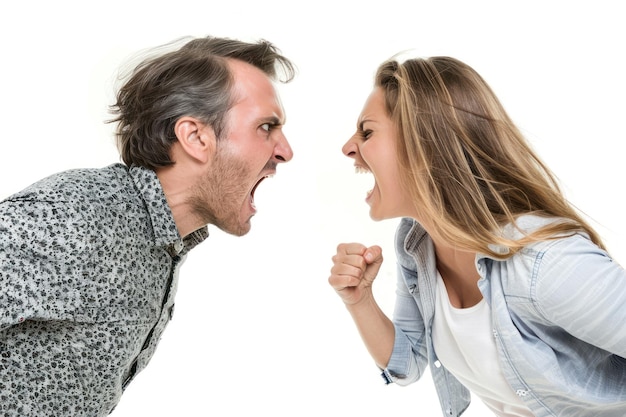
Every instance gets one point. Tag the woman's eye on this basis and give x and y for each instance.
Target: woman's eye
(366, 134)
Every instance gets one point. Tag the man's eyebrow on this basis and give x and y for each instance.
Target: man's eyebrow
(273, 120)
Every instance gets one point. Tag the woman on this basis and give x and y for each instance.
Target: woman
(503, 288)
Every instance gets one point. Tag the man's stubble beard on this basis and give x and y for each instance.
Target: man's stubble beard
(218, 198)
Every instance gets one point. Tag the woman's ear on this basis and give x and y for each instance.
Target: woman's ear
(196, 138)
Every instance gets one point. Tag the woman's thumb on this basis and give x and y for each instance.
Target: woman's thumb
(374, 258)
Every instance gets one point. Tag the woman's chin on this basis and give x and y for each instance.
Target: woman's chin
(377, 216)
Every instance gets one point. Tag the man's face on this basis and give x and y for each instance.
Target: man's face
(251, 147)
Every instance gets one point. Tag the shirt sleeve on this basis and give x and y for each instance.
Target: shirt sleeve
(581, 289)
(36, 241)
(409, 357)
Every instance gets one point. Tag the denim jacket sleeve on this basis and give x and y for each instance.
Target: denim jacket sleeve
(579, 288)
(409, 357)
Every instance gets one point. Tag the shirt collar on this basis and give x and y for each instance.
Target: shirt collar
(164, 228)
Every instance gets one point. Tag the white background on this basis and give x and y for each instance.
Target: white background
(257, 329)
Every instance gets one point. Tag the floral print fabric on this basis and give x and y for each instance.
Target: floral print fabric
(88, 274)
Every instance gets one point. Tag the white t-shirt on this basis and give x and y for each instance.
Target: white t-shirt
(465, 345)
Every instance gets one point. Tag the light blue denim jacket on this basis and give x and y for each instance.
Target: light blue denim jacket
(559, 320)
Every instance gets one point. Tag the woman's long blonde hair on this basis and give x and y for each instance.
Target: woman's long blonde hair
(465, 163)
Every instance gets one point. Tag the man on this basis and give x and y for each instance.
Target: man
(89, 258)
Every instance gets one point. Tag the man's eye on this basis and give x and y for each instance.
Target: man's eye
(266, 126)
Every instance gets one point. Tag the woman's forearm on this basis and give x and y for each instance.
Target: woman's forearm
(375, 328)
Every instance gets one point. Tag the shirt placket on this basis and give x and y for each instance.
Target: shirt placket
(166, 313)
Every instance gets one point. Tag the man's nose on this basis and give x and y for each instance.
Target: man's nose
(283, 151)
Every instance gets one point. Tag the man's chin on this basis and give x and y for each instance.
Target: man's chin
(239, 229)
(241, 233)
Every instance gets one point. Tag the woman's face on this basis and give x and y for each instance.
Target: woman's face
(373, 148)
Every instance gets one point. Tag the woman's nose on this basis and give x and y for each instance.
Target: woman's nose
(349, 149)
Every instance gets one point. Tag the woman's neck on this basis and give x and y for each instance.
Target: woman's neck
(458, 271)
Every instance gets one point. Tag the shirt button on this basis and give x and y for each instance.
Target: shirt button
(437, 364)
(178, 246)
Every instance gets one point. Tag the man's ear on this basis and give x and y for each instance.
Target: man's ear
(196, 138)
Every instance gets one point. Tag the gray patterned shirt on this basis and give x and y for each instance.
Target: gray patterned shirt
(88, 274)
